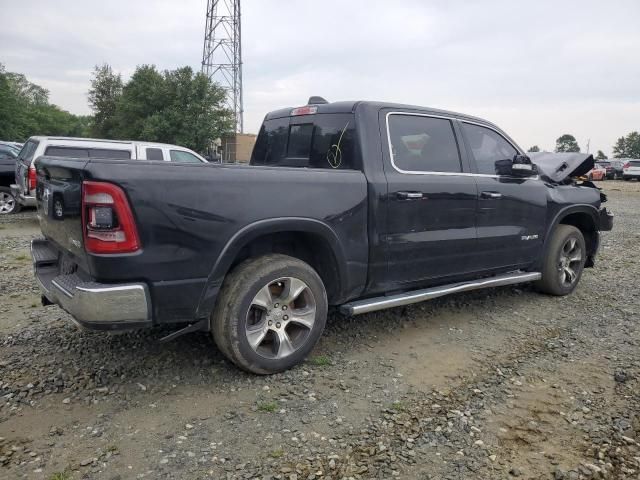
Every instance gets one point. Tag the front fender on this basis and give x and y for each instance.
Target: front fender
(255, 230)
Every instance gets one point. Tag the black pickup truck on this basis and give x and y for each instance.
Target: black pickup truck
(359, 205)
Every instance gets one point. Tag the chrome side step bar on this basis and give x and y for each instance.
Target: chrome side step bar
(415, 296)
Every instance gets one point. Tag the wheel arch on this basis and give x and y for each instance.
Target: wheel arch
(585, 219)
(310, 240)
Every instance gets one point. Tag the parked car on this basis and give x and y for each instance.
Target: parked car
(25, 175)
(8, 155)
(360, 205)
(598, 172)
(11, 145)
(631, 170)
(617, 166)
(608, 167)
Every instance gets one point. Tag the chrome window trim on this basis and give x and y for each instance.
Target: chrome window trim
(445, 174)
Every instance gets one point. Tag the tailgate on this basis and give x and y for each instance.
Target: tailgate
(59, 202)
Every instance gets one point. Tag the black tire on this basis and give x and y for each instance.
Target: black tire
(235, 312)
(16, 207)
(555, 279)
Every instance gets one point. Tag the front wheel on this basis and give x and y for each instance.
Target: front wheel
(564, 261)
(270, 313)
(8, 203)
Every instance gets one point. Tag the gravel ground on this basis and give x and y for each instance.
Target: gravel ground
(498, 384)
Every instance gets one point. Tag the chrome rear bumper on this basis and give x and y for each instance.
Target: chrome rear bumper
(97, 306)
(24, 200)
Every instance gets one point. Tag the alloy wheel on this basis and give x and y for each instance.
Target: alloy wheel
(570, 261)
(280, 318)
(7, 203)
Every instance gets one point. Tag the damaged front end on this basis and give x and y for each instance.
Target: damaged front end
(562, 167)
(571, 169)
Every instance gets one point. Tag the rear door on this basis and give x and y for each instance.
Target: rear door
(511, 210)
(430, 230)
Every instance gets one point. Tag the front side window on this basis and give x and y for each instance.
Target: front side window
(490, 149)
(423, 144)
(154, 154)
(183, 157)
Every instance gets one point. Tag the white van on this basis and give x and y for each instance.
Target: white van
(24, 189)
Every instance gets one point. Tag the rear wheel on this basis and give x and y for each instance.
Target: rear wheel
(270, 313)
(564, 261)
(8, 203)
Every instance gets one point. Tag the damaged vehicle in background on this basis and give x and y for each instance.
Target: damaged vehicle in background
(358, 205)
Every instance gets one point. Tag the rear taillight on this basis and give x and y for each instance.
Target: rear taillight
(107, 220)
(32, 180)
(626, 165)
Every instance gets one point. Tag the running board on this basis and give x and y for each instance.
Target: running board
(415, 296)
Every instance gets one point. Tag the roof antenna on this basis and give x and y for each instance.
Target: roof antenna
(316, 101)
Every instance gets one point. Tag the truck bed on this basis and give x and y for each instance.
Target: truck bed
(188, 214)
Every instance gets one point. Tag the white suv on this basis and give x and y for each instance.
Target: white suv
(25, 187)
(631, 169)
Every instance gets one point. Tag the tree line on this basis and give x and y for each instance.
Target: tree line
(25, 111)
(625, 147)
(174, 106)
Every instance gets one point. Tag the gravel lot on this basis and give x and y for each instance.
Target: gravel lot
(495, 384)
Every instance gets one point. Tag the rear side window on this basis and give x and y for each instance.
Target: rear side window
(490, 150)
(634, 163)
(71, 152)
(109, 153)
(326, 141)
(27, 152)
(423, 144)
(154, 154)
(75, 152)
(183, 157)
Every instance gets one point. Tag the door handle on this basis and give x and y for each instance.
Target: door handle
(410, 195)
(494, 195)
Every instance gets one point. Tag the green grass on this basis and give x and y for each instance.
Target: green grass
(268, 407)
(21, 258)
(320, 361)
(398, 406)
(277, 453)
(60, 476)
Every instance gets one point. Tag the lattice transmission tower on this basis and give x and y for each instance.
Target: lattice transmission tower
(222, 52)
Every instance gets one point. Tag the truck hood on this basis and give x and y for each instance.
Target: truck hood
(558, 167)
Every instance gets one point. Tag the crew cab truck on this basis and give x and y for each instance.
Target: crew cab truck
(358, 205)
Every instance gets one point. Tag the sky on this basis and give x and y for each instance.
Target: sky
(538, 69)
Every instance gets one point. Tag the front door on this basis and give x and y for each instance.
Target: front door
(430, 230)
(511, 210)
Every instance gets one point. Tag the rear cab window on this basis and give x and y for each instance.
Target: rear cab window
(325, 141)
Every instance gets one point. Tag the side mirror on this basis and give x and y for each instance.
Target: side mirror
(521, 166)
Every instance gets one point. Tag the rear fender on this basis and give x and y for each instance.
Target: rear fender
(255, 230)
